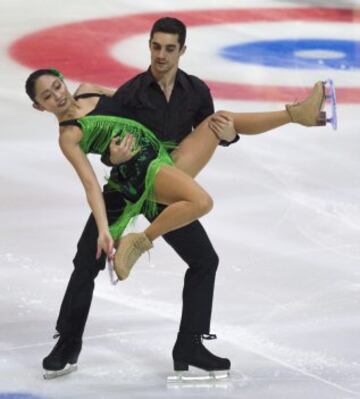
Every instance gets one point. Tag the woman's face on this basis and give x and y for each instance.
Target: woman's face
(51, 94)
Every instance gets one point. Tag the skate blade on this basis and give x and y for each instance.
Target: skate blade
(110, 267)
(331, 99)
(186, 377)
(51, 374)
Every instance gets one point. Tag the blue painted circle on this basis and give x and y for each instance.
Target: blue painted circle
(297, 53)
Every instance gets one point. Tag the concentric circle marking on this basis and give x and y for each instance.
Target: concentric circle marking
(82, 50)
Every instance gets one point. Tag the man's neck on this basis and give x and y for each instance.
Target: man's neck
(166, 81)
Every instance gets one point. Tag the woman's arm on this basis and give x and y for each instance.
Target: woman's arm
(69, 144)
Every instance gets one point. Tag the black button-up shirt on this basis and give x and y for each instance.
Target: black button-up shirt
(142, 99)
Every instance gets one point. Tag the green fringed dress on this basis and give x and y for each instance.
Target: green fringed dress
(135, 178)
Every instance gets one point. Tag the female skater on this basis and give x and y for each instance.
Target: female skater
(154, 173)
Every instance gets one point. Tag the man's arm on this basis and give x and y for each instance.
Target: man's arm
(206, 109)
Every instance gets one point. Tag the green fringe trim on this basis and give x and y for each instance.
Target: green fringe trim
(146, 203)
(99, 130)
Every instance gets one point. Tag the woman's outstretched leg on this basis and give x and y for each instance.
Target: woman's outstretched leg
(186, 201)
(196, 149)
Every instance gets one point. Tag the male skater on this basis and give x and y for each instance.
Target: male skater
(170, 103)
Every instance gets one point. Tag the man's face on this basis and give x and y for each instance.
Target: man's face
(165, 52)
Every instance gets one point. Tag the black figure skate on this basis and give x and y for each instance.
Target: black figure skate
(63, 358)
(190, 351)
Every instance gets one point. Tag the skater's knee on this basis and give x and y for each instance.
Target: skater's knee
(208, 261)
(213, 261)
(85, 257)
(204, 204)
(85, 262)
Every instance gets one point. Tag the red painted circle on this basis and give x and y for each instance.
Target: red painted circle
(81, 50)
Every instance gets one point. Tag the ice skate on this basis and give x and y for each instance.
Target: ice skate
(63, 358)
(190, 351)
(309, 112)
(131, 247)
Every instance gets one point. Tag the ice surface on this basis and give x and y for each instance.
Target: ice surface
(286, 225)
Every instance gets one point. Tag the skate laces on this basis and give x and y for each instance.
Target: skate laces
(295, 103)
(141, 251)
(198, 338)
(140, 247)
(134, 251)
(208, 336)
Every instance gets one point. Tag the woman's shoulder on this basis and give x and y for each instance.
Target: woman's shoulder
(85, 88)
(69, 138)
(70, 133)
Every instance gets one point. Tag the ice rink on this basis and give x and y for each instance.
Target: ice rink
(286, 221)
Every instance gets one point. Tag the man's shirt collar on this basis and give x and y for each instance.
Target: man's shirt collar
(179, 79)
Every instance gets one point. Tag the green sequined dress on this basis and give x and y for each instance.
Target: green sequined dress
(135, 178)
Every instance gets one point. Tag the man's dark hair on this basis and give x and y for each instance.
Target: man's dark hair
(170, 25)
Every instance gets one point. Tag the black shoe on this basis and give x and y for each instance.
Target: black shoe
(190, 351)
(63, 358)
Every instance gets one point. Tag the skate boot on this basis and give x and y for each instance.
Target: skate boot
(309, 112)
(190, 351)
(63, 358)
(131, 247)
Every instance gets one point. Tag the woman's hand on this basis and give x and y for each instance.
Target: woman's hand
(122, 150)
(105, 243)
(223, 126)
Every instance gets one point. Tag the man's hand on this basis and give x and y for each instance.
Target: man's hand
(223, 126)
(122, 150)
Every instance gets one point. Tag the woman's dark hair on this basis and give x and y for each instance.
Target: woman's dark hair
(170, 25)
(34, 76)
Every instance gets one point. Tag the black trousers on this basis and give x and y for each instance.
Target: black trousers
(191, 243)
